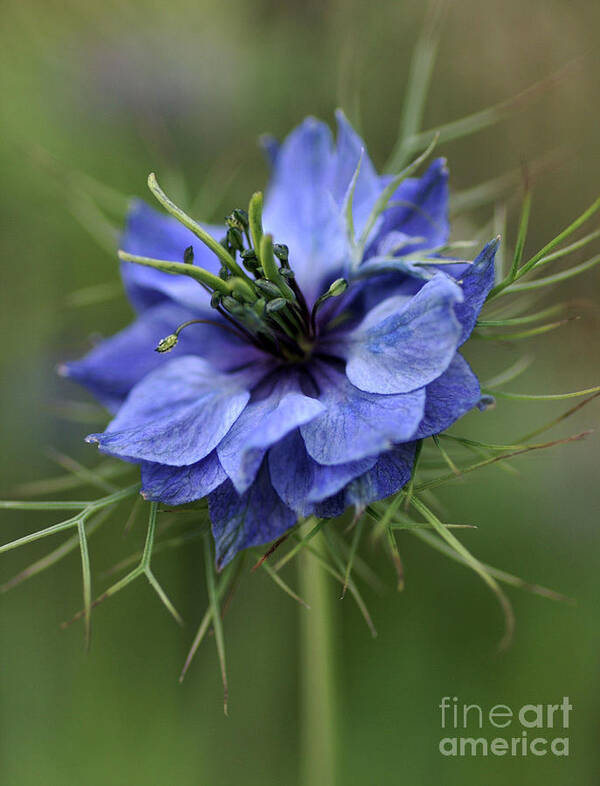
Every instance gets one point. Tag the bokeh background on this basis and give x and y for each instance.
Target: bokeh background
(123, 87)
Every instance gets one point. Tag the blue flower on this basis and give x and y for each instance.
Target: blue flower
(293, 394)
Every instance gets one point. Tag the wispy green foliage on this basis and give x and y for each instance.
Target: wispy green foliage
(545, 255)
(478, 567)
(217, 622)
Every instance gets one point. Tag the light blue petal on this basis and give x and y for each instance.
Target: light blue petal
(179, 485)
(391, 471)
(357, 424)
(388, 475)
(114, 366)
(262, 424)
(300, 209)
(410, 348)
(448, 398)
(419, 209)
(177, 414)
(251, 519)
(349, 150)
(377, 265)
(300, 481)
(477, 281)
(270, 147)
(151, 233)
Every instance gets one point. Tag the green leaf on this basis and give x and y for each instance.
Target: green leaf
(396, 559)
(358, 528)
(526, 320)
(348, 207)
(419, 79)
(445, 455)
(434, 482)
(87, 580)
(485, 118)
(302, 542)
(544, 252)
(500, 575)
(213, 597)
(512, 372)
(282, 585)
(222, 585)
(570, 249)
(338, 574)
(547, 397)
(56, 555)
(560, 418)
(557, 278)
(535, 331)
(521, 236)
(475, 564)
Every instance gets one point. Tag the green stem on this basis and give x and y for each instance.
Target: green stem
(318, 728)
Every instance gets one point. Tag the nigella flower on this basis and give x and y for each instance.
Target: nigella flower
(303, 379)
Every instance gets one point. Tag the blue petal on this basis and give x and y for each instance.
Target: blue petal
(390, 473)
(385, 264)
(251, 519)
(408, 349)
(177, 414)
(300, 481)
(270, 147)
(477, 281)
(332, 507)
(262, 424)
(448, 398)
(300, 209)
(350, 149)
(150, 233)
(357, 424)
(420, 210)
(179, 485)
(114, 366)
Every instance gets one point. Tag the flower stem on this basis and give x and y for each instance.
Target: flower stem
(318, 764)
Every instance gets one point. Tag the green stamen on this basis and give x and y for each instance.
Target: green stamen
(271, 270)
(255, 221)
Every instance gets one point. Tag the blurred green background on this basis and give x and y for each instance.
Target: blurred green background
(123, 87)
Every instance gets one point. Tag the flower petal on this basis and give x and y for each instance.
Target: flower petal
(357, 424)
(262, 424)
(300, 209)
(477, 281)
(179, 485)
(349, 150)
(251, 519)
(177, 414)
(150, 233)
(392, 470)
(410, 348)
(388, 475)
(115, 365)
(419, 209)
(448, 398)
(300, 481)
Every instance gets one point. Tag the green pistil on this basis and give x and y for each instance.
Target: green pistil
(268, 310)
(194, 227)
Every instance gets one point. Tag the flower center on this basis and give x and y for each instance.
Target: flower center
(255, 292)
